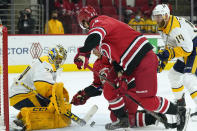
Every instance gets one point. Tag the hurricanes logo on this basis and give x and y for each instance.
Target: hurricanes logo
(36, 50)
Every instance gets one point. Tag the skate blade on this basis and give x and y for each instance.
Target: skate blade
(14, 127)
(194, 118)
(188, 110)
(120, 129)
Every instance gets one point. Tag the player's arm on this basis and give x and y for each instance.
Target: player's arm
(91, 42)
(83, 95)
(95, 89)
(183, 49)
(184, 44)
(94, 38)
(43, 79)
(43, 88)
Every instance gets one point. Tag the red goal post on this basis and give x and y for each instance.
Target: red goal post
(4, 102)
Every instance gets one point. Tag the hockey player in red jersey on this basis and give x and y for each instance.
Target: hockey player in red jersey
(131, 55)
(102, 65)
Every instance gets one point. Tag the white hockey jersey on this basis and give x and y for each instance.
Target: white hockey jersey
(179, 32)
(40, 70)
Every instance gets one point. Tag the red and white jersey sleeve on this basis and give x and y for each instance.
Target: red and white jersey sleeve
(125, 45)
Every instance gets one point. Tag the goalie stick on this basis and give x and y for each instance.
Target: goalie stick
(166, 124)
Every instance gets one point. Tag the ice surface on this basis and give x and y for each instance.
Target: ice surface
(75, 81)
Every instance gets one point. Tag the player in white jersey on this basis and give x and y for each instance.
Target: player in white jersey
(35, 93)
(180, 37)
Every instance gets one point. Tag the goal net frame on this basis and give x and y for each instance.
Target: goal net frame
(4, 100)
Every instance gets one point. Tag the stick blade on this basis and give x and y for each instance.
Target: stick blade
(90, 113)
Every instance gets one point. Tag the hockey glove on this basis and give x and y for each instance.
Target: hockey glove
(117, 68)
(81, 59)
(161, 66)
(119, 81)
(166, 55)
(80, 98)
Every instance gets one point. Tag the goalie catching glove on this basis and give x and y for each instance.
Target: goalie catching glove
(81, 59)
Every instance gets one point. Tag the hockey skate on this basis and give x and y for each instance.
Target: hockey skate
(17, 125)
(182, 118)
(181, 102)
(194, 115)
(122, 123)
(163, 120)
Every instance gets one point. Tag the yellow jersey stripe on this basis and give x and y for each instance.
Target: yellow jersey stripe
(178, 89)
(194, 64)
(193, 95)
(180, 52)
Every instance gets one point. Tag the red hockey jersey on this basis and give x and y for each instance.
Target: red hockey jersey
(122, 44)
(101, 65)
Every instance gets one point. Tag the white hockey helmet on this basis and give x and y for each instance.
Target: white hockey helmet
(160, 9)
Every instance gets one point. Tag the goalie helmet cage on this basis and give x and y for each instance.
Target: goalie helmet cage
(4, 103)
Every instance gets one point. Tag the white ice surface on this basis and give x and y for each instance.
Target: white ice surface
(75, 81)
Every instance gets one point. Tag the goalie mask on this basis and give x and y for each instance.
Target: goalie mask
(57, 55)
(161, 14)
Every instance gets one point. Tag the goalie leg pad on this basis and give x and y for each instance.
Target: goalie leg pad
(35, 118)
(58, 98)
(24, 100)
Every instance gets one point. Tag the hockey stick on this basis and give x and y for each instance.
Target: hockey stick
(166, 124)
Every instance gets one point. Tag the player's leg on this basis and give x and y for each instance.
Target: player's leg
(36, 118)
(117, 107)
(146, 88)
(190, 76)
(29, 117)
(190, 82)
(145, 119)
(138, 118)
(175, 77)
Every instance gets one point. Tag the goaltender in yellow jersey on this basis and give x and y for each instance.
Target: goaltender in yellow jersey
(180, 37)
(38, 96)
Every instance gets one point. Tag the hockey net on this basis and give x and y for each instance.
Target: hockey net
(4, 103)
